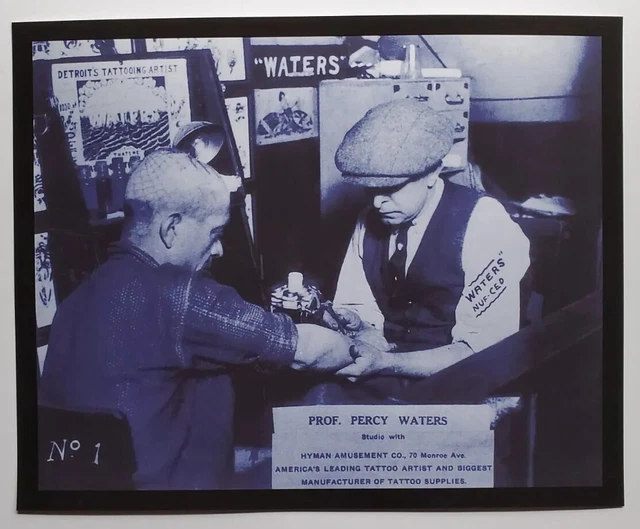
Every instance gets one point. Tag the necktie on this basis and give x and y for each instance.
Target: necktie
(398, 261)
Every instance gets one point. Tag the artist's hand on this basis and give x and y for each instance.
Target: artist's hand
(348, 319)
(372, 336)
(367, 361)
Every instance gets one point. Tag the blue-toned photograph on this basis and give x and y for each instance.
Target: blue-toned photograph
(336, 262)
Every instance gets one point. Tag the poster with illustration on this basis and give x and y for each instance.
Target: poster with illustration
(115, 113)
(285, 114)
(228, 53)
(39, 203)
(60, 49)
(237, 110)
(45, 293)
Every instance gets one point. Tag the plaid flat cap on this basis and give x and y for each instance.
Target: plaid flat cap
(393, 143)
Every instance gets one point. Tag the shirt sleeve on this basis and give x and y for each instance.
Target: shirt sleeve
(495, 257)
(353, 291)
(220, 326)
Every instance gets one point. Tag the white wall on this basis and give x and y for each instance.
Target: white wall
(510, 67)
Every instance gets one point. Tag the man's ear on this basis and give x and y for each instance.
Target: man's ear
(168, 229)
(433, 177)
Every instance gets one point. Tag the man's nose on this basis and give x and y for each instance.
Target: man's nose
(216, 249)
(378, 200)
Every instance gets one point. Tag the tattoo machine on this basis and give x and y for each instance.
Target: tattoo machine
(304, 303)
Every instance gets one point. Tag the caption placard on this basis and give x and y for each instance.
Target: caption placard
(383, 447)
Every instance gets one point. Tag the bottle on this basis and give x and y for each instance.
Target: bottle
(411, 68)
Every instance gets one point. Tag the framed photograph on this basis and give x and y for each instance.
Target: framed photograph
(285, 115)
(404, 311)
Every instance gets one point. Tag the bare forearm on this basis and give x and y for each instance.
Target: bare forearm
(424, 363)
(321, 349)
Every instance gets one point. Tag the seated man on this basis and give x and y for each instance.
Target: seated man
(434, 267)
(150, 337)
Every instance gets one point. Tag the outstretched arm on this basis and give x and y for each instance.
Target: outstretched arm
(411, 364)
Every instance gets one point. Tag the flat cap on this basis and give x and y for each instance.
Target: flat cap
(393, 143)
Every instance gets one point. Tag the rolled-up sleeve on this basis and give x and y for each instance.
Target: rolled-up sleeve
(495, 257)
(220, 326)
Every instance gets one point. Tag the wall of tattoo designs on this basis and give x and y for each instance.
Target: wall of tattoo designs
(45, 292)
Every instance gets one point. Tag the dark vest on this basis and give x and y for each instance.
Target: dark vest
(421, 314)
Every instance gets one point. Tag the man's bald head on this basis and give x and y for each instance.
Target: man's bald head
(175, 209)
(168, 182)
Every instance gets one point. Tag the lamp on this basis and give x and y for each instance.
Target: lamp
(201, 139)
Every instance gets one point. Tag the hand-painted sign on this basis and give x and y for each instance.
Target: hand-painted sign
(297, 65)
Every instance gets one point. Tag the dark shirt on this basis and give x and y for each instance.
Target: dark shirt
(157, 343)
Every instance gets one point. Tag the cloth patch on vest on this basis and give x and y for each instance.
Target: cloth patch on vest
(487, 287)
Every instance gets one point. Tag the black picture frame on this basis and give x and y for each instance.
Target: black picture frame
(610, 494)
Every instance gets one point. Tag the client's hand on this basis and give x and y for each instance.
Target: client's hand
(367, 361)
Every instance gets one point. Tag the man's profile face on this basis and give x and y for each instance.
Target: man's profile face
(399, 204)
(198, 234)
(199, 240)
